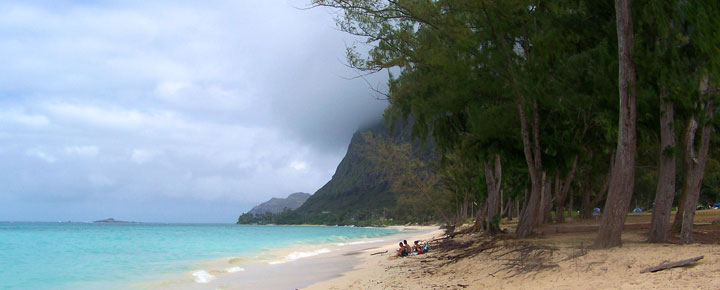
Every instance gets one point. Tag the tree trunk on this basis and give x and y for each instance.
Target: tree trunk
(494, 180)
(689, 133)
(463, 208)
(527, 218)
(547, 211)
(558, 189)
(695, 162)
(571, 208)
(480, 217)
(689, 142)
(660, 222)
(560, 204)
(623, 173)
(506, 209)
(585, 208)
(527, 222)
(502, 204)
(562, 189)
(545, 205)
(531, 150)
(590, 204)
(510, 209)
(677, 220)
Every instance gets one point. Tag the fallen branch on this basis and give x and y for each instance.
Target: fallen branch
(666, 266)
(378, 253)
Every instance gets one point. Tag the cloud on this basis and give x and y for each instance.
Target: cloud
(83, 151)
(216, 104)
(99, 180)
(141, 156)
(210, 97)
(113, 118)
(24, 119)
(298, 165)
(39, 154)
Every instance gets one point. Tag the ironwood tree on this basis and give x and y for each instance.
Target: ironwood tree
(522, 97)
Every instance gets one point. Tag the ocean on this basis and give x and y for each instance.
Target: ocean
(121, 256)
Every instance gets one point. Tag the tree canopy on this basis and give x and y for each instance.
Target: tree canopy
(532, 86)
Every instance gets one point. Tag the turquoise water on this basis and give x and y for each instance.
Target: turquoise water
(69, 255)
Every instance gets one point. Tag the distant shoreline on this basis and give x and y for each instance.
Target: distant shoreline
(114, 221)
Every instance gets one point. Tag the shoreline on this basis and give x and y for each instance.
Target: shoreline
(295, 266)
(369, 263)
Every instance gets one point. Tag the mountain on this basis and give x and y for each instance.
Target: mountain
(277, 205)
(358, 191)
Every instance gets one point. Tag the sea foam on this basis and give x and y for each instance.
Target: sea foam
(299, 255)
(234, 269)
(203, 276)
(359, 243)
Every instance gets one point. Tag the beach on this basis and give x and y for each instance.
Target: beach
(563, 261)
(288, 268)
(554, 258)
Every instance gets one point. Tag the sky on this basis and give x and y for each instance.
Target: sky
(171, 111)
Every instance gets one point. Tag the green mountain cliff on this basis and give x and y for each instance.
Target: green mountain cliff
(358, 192)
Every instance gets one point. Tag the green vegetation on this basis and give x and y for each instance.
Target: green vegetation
(520, 102)
(540, 80)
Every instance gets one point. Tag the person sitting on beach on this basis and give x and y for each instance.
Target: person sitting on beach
(408, 249)
(417, 248)
(401, 252)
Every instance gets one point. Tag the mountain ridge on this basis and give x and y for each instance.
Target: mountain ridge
(276, 205)
(359, 191)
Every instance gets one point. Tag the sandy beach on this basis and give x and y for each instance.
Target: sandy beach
(287, 268)
(555, 258)
(548, 261)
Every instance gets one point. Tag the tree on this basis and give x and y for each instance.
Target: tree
(704, 42)
(623, 173)
(464, 60)
(695, 161)
(664, 72)
(535, 83)
(406, 173)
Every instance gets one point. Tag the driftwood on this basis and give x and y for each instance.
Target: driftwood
(378, 253)
(672, 265)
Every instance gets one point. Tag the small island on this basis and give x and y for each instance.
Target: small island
(112, 220)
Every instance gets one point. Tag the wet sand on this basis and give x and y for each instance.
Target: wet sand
(289, 268)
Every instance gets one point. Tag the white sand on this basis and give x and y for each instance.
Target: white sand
(617, 268)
